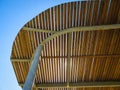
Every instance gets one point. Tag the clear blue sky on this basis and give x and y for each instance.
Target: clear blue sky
(13, 15)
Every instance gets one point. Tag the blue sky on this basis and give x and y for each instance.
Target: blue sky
(13, 15)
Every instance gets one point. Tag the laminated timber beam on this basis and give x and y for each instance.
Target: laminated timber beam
(78, 85)
(82, 56)
(20, 60)
(81, 28)
(37, 30)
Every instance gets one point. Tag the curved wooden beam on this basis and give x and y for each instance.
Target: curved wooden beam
(102, 27)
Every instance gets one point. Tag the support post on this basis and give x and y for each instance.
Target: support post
(31, 74)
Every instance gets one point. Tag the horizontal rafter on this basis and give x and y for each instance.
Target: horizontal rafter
(82, 56)
(20, 60)
(78, 85)
(38, 30)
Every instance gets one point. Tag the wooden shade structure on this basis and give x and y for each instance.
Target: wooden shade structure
(81, 47)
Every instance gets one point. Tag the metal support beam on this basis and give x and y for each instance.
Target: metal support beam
(31, 74)
(78, 85)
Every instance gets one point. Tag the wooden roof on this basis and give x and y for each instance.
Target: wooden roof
(82, 56)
